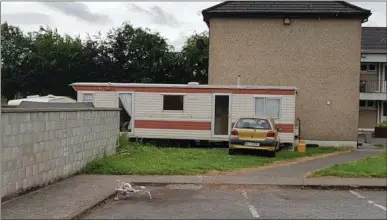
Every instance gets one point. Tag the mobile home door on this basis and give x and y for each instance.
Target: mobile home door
(221, 123)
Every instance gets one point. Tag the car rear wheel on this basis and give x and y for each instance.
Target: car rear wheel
(231, 151)
(271, 153)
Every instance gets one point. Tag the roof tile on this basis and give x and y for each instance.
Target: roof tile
(240, 8)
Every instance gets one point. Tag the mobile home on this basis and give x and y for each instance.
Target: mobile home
(192, 111)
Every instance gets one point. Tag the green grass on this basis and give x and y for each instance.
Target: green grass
(367, 167)
(380, 146)
(136, 159)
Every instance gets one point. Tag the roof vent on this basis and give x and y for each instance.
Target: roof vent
(193, 83)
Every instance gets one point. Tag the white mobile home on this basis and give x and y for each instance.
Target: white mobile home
(192, 111)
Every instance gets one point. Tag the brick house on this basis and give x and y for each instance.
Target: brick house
(315, 46)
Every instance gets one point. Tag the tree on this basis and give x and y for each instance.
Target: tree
(196, 59)
(45, 62)
(15, 48)
(137, 55)
(54, 63)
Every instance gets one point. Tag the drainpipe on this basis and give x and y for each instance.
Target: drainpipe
(378, 111)
(299, 128)
(239, 80)
(379, 76)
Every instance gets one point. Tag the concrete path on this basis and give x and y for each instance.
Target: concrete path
(69, 198)
(63, 200)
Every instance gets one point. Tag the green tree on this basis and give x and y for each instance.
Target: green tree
(137, 55)
(45, 62)
(15, 48)
(54, 63)
(196, 59)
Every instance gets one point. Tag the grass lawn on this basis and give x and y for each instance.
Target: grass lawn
(367, 167)
(381, 145)
(136, 159)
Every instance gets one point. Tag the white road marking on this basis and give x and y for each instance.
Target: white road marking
(369, 201)
(381, 207)
(252, 209)
(356, 194)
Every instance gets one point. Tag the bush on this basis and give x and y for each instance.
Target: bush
(382, 124)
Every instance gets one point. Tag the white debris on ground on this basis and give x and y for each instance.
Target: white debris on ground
(184, 186)
(125, 189)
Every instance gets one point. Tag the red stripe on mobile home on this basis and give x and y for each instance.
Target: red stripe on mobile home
(186, 90)
(286, 128)
(189, 125)
(182, 125)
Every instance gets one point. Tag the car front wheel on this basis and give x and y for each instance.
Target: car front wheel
(231, 151)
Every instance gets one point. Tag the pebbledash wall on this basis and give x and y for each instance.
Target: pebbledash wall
(42, 145)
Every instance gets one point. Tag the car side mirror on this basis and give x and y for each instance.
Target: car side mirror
(280, 129)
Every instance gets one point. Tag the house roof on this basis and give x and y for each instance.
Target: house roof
(292, 9)
(374, 40)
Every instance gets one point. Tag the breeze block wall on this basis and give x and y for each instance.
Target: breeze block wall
(40, 146)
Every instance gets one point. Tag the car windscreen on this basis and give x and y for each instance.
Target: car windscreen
(253, 123)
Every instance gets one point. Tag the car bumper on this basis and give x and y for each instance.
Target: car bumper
(267, 145)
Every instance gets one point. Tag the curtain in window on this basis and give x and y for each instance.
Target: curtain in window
(126, 100)
(273, 108)
(260, 106)
(88, 97)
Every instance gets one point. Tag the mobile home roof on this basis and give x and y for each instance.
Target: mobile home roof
(145, 85)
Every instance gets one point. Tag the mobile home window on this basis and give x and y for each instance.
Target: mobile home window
(173, 102)
(268, 107)
(88, 97)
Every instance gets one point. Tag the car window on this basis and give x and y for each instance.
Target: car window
(273, 122)
(253, 123)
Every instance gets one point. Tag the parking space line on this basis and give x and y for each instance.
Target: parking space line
(369, 201)
(381, 207)
(252, 209)
(356, 194)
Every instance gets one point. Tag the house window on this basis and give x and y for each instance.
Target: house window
(369, 67)
(88, 97)
(384, 108)
(367, 104)
(268, 107)
(173, 102)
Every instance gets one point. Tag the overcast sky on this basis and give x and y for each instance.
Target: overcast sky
(174, 20)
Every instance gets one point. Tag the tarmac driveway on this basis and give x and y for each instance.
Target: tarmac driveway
(246, 203)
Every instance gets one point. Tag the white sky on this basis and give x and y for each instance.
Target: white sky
(174, 20)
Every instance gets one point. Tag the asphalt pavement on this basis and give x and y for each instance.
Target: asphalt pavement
(233, 202)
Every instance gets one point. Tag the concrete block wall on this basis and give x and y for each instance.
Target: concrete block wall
(42, 145)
